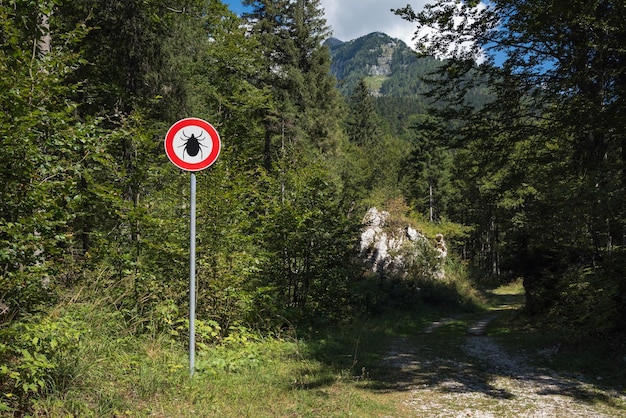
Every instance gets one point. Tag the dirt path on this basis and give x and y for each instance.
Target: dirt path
(477, 378)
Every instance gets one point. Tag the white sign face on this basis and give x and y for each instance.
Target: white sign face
(192, 144)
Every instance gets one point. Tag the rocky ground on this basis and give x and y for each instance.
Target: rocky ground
(480, 379)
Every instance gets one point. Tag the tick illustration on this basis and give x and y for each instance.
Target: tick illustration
(192, 145)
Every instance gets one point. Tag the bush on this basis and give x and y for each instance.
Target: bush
(586, 302)
(37, 357)
(581, 299)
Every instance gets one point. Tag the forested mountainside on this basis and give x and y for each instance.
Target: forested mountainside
(388, 65)
(390, 69)
(394, 74)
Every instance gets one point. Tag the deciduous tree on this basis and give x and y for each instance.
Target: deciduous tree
(554, 128)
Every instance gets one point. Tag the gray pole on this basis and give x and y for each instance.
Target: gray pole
(192, 278)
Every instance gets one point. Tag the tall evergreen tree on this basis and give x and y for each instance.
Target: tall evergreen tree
(364, 125)
(297, 69)
(428, 169)
(301, 136)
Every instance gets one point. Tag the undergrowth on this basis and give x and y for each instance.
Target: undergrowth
(87, 359)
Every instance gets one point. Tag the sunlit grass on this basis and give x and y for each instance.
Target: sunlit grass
(147, 375)
(514, 288)
(338, 372)
(375, 82)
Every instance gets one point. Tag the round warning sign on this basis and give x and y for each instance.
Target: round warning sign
(192, 144)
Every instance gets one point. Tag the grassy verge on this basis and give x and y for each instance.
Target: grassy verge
(599, 360)
(117, 373)
(112, 371)
(338, 372)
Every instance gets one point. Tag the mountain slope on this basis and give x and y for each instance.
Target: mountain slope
(388, 65)
(394, 74)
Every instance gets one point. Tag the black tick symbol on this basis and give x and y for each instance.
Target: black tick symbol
(192, 145)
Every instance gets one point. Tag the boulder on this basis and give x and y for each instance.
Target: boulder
(388, 249)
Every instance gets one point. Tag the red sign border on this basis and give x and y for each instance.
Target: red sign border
(180, 125)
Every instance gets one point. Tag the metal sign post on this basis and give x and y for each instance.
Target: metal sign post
(192, 145)
(192, 277)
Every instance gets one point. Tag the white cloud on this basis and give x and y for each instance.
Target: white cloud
(350, 19)
(426, 35)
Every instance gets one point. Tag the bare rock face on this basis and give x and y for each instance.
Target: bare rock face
(393, 250)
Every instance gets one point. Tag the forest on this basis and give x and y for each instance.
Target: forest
(514, 148)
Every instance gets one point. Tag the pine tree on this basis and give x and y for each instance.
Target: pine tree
(364, 124)
(301, 137)
(428, 169)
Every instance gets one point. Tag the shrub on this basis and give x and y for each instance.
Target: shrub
(37, 357)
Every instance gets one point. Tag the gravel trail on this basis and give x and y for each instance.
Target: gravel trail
(486, 381)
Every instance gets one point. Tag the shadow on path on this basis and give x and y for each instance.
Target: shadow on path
(453, 365)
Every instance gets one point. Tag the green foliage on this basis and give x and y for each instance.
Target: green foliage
(428, 169)
(128, 374)
(581, 298)
(93, 215)
(587, 302)
(364, 126)
(37, 357)
(310, 242)
(541, 163)
(45, 148)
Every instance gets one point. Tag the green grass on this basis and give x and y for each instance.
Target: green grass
(375, 83)
(336, 372)
(121, 374)
(331, 373)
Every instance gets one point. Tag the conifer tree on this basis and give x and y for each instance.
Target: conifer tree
(428, 169)
(364, 125)
(301, 137)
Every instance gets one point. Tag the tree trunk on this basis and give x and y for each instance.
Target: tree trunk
(44, 42)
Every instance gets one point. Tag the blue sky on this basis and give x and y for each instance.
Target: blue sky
(350, 19)
(234, 5)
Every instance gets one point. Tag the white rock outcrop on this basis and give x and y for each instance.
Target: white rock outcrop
(390, 250)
